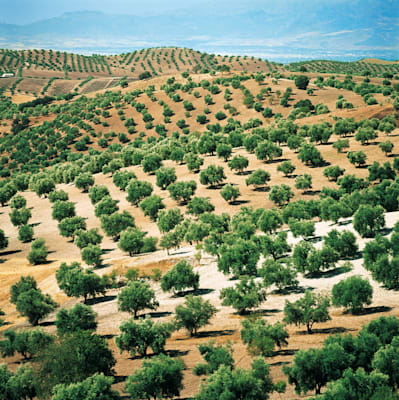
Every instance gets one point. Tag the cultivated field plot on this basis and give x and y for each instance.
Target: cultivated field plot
(266, 199)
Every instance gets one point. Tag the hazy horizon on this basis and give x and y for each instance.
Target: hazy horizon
(284, 31)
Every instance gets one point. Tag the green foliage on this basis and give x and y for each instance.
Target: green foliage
(359, 385)
(227, 383)
(3, 240)
(165, 176)
(63, 209)
(230, 193)
(286, 167)
(167, 220)
(309, 309)
(352, 293)
(138, 190)
(26, 342)
(303, 182)
(212, 175)
(22, 385)
(313, 368)
(194, 314)
(215, 356)
(238, 258)
(84, 181)
(38, 253)
(199, 205)
(245, 295)
(97, 386)
(386, 361)
(69, 226)
(268, 151)
(262, 337)
(270, 220)
(310, 155)
(238, 163)
(333, 172)
(151, 206)
(83, 238)
(20, 216)
(180, 277)
(137, 296)
(258, 178)
(158, 378)
(343, 242)
(384, 328)
(115, 223)
(98, 192)
(106, 206)
(301, 82)
(368, 220)
(18, 202)
(76, 282)
(301, 228)
(276, 273)
(79, 317)
(182, 191)
(136, 338)
(151, 162)
(81, 354)
(223, 150)
(91, 255)
(281, 195)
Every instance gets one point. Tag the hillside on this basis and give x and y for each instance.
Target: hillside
(171, 128)
(39, 72)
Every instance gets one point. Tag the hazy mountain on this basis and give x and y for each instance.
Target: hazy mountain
(343, 30)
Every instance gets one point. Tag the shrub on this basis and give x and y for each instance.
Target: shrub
(247, 294)
(25, 233)
(194, 314)
(368, 220)
(180, 277)
(352, 293)
(136, 297)
(158, 378)
(261, 337)
(230, 193)
(38, 253)
(79, 317)
(136, 338)
(309, 309)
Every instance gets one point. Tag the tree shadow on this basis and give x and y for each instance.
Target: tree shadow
(276, 160)
(248, 172)
(217, 186)
(371, 310)
(108, 336)
(322, 331)
(292, 290)
(314, 239)
(345, 222)
(385, 231)
(159, 314)
(9, 252)
(194, 292)
(98, 300)
(47, 323)
(329, 273)
(176, 353)
(105, 251)
(262, 189)
(238, 202)
(286, 352)
(264, 312)
(119, 379)
(35, 224)
(224, 332)
(311, 192)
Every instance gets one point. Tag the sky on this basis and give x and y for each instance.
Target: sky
(280, 30)
(27, 11)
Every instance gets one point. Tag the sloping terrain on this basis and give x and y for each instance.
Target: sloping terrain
(106, 130)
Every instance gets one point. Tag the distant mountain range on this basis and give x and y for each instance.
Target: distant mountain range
(360, 29)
